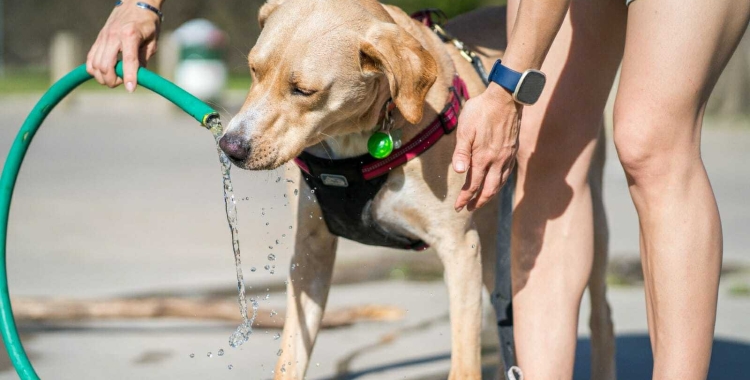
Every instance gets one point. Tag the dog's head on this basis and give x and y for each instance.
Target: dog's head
(324, 68)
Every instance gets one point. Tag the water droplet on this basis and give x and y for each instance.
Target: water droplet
(230, 366)
(277, 242)
(263, 213)
(473, 246)
(278, 179)
(317, 364)
(279, 352)
(296, 191)
(312, 191)
(267, 267)
(283, 368)
(266, 223)
(209, 354)
(252, 269)
(221, 352)
(289, 181)
(290, 227)
(284, 195)
(271, 257)
(273, 313)
(192, 356)
(276, 336)
(267, 296)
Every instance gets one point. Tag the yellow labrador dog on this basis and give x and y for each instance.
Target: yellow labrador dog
(326, 75)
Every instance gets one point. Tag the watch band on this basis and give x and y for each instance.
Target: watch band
(507, 78)
(145, 6)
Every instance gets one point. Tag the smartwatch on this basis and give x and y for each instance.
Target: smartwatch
(526, 87)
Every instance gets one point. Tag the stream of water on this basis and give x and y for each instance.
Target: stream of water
(244, 330)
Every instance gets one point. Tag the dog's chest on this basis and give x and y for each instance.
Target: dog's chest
(354, 207)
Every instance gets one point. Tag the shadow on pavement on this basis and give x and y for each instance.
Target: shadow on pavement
(730, 361)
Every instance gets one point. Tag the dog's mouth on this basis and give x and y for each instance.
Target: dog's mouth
(252, 158)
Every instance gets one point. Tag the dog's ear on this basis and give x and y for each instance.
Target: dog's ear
(410, 68)
(266, 10)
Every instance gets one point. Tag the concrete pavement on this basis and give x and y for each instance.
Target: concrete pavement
(121, 196)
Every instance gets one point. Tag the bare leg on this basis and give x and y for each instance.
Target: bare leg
(553, 234)
(307, 290)
(674, 53)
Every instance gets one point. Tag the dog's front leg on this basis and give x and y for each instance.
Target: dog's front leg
(463, 275)
(307, 289)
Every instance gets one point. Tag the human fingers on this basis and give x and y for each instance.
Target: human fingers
(473, 183)
(130, 61)
(491, 186)
(464, 140)
(92, 59)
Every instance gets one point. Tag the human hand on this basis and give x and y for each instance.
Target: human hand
(486, 146)
(130, 30)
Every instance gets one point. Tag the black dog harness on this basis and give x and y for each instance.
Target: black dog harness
(346, 187)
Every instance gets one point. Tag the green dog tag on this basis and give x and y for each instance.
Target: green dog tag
(380, 145)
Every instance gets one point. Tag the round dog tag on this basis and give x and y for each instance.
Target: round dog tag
(380, 145)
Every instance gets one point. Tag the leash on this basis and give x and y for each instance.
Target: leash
(425, 16)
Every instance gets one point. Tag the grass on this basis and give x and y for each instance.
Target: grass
(36, 82)
(24, 81)
(740, 289)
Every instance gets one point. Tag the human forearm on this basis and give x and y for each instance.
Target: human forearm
(537, 23)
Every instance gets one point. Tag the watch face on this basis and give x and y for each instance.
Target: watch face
(530, 87)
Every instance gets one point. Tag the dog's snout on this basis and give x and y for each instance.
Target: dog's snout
(234, 147)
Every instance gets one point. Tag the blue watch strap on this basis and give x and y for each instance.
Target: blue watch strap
(505, 77)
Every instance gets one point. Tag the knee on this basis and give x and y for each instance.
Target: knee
(653, 141)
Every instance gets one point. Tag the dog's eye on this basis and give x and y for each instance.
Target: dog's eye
(302, 92)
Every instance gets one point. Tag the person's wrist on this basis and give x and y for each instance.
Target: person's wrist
(154, 3)
(498, 94)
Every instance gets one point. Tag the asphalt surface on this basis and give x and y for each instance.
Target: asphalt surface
(121, 196)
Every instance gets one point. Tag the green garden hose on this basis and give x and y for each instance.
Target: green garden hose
(189, 103)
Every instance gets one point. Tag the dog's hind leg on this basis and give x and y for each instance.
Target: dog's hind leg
(307, 288)
(602, 331)
(463, 275)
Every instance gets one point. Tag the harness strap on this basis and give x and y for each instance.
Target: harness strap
(444, 124)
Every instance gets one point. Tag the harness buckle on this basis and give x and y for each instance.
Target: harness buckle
(334, 180)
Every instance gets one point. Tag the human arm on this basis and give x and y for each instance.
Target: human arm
(130, 30)
(487, 137)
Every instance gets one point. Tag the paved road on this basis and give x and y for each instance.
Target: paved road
(113, 203)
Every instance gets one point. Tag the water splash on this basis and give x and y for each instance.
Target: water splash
(244, 330)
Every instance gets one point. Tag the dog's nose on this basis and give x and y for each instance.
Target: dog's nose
(234, 147)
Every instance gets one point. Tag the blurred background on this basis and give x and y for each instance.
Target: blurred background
(30, 29)
(118, 221)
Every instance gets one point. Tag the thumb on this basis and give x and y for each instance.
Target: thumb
(462, 152)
